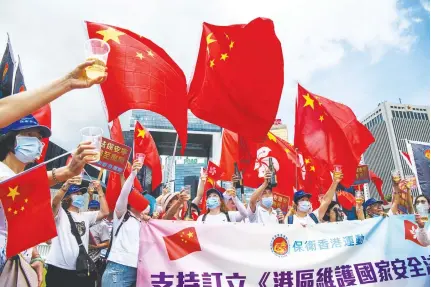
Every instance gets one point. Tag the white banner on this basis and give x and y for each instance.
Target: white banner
(374, 252)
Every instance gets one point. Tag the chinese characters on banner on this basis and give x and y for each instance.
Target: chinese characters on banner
(113, 156)
(282, 202)
(373, 252)
(362, 175)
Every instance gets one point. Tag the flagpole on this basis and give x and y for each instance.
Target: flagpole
(296, 169)
(172, 162)
(39, 165)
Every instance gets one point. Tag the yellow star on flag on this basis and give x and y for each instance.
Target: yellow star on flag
(190, 234)
(231, 44)
(139, 55)
(141, 133)
(308, 101)
(110, 34)
(9, 209)
(15, 212)
(212, 63)
(227, 36)
(321, 118)
(26, 200)
(312, 168)
(13, 192)
(224, 57)
(210, 181)
(209, 40)
(272, 137)
(22, 208)
(307, 161)
(287, 150)
(150, 53)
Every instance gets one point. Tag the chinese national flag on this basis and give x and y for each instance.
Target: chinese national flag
(144, 143)
(182, 243)
(329, 133)
(283, 157)
(142, 76)
(42, 115)
(26, 200)
(378, 182)
(410, 231)
(239, 77)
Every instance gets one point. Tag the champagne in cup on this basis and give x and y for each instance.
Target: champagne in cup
(94, 136)
(96, 50)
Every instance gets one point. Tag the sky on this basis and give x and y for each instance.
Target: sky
(357, 52)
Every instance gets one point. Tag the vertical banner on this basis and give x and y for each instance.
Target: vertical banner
(373, 252)
(419, 153)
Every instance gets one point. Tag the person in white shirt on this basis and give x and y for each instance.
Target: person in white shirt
(217, 211)
(374, 208)
(121, 269)
(64, 248)
(20, 145)
(302, 207)
(260, 206)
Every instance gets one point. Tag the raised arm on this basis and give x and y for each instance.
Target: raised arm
(241, 209)
(56, 202)
(121, 205)
(201, 188)
(104, 208)
(25, 103)
(258, 192)
(396, 197)
(338, 176)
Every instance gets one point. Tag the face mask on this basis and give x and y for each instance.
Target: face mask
(422, 208)
(78, 201)
(304, 206)
(267, 202)
(213, 202)
(28, 149)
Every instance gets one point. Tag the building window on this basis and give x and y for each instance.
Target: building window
(404, 115)
(426, 117)
(415, 115)
(393, 114)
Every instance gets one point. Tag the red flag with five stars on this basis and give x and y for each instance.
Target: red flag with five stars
(239, 77)
(145, 144)
(142, 76)
(182, 243)
(26, 200)
(329, 133)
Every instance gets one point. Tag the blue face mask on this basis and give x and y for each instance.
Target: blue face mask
(28, 149)
(213, 202)
(267, 202)
(78, 201)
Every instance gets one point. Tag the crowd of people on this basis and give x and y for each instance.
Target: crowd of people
(111, 239)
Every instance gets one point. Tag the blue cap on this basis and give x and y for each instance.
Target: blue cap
(213, 190)
(27, 122)
(74, 189)
(94, 204)
(152, 202)
(370, 202)
(300, 194)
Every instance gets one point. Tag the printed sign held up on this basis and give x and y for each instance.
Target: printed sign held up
(113, 156)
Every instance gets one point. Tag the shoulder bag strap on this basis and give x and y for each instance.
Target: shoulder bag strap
(227, 216)
(74, 229)
(125, 218)
(290, 219)
(204, 217)
(313, 216)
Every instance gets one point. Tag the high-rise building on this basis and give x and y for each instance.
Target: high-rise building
(391, 125)
(279, 129)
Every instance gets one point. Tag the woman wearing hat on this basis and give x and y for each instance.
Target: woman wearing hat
(217, 211)
(172, 204)
(64, 248)
(20, 145)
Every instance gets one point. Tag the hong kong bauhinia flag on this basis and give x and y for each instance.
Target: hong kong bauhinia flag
(330, 133)
(142, 76)
(239, 77)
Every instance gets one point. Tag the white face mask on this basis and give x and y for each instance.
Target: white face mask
(422, 208)
(28, 149)
(304, 206)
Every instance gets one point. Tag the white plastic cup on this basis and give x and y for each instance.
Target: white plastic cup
(140, 157)
(96, 50)
(93, 135)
